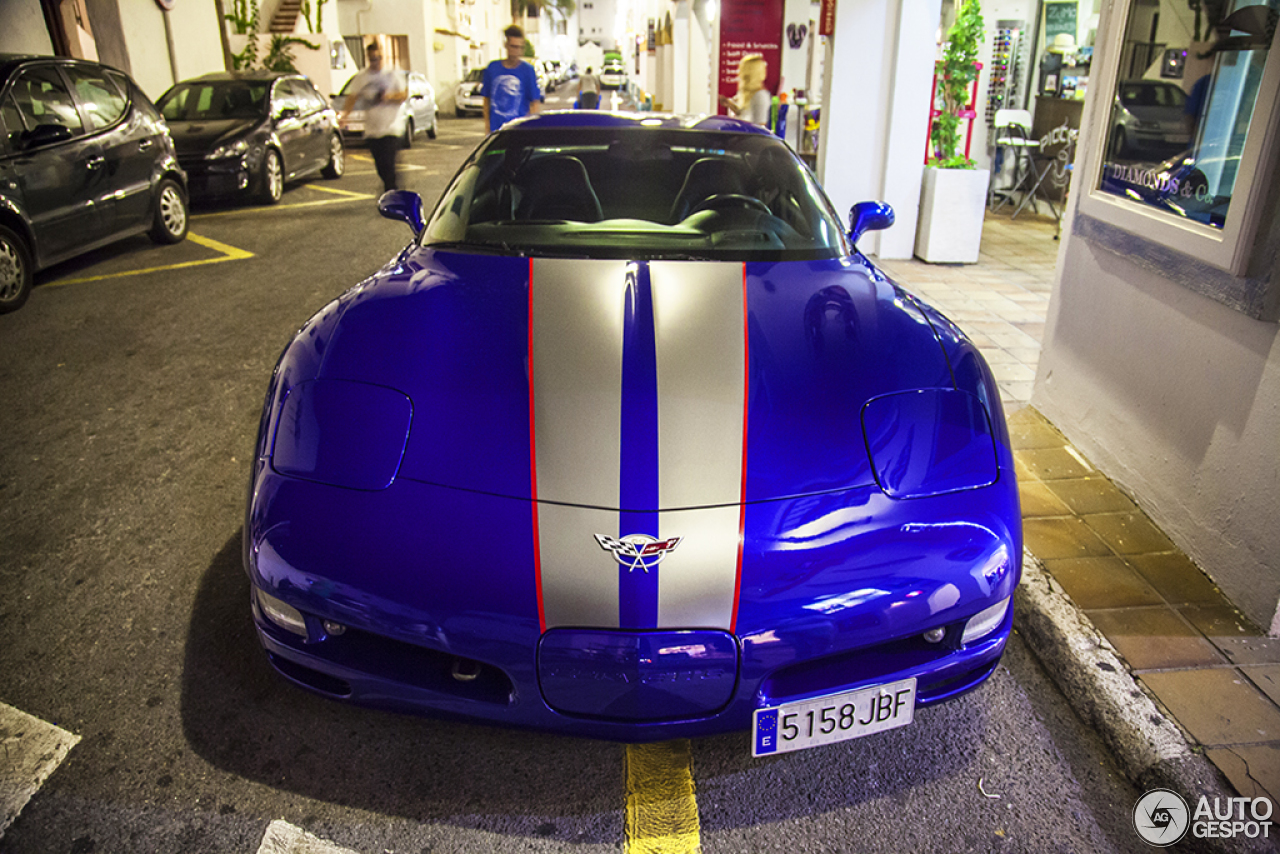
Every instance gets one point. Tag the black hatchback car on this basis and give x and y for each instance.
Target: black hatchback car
(85, 159)
(248, 132)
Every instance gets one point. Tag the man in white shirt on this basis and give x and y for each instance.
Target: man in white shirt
(380, 93)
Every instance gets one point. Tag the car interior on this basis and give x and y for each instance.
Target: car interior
(632, 190)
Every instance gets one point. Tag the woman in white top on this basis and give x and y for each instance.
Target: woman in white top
(753, 102)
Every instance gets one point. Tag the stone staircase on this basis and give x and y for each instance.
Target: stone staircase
(285, 18)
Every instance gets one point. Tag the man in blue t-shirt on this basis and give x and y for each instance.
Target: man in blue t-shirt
(510, 86)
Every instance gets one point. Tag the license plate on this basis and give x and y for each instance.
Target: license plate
(839, 717)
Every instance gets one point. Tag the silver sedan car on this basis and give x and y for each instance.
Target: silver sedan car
(1148, 119)
(420, 106)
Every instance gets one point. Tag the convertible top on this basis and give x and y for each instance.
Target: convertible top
(602, 119)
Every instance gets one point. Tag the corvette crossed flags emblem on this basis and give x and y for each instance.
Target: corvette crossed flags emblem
(638, 551)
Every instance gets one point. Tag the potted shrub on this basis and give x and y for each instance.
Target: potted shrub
(953, 195)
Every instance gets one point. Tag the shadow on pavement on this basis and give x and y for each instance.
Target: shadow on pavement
(240, 716)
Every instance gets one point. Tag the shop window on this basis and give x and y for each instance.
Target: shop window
(1184, 161)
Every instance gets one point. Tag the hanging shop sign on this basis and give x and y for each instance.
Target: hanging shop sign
(746, 27)
(827, 18)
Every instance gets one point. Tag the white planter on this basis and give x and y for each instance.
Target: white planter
(952, 204)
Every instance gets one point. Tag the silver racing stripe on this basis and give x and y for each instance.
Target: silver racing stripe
(698, 580)
(579, 579)
(577, 328)
(577, 379)
(577, 325)
(698, 318)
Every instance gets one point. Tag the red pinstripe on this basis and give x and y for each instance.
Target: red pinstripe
(742, 495)
(533, 467)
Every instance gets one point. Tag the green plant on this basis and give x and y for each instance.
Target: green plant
(957, 71)
(243, 16)
(280, 55)
(244, 20)
(318, 24)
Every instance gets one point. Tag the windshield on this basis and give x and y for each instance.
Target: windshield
(637, 193)
(222, 99)
(1152, 95)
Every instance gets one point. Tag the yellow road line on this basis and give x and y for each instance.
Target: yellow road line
(662, 815)
(355, 197)
(229, 253)
(339, 192)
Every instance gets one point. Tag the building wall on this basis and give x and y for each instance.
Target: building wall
(1176, 397)
(194, 31)
(1167, 383)
(875, 112)
(413, 19)
(24, 30)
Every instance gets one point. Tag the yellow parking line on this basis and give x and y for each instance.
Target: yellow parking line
(662, 815)
(339, 192)
(229, 253)
(355, 197)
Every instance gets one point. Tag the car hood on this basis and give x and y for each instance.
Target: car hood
(205, 135)
(631, 385)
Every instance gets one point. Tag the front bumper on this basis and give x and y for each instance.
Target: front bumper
(470, 103)
(422, 639)
(219, 178)
(683, 701)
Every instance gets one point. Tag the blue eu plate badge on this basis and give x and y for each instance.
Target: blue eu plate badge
(766, 732)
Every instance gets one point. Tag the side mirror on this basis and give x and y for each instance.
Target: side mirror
(404, 205)
(868, 216)
(290, 113)
(45, 135)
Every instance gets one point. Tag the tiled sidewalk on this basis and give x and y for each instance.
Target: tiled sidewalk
(1213, 671)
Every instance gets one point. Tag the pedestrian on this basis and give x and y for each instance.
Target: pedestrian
(752, 102)
(510, 86)
(589, 91)
(380, 93)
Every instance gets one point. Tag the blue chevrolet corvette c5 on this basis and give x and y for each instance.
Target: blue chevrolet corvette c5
(631, 442)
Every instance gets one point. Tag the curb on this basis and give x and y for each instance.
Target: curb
(1148, 745)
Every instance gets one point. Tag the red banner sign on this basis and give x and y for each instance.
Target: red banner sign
(827, 18)
(750, 26)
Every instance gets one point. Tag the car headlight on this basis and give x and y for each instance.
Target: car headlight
(342, 433)
(985, 622)
(229, 149)
(282, 614)
(929, 442)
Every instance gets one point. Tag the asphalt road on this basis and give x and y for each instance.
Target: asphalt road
(130, 391)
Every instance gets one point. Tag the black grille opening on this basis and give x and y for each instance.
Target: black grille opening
(314, 679)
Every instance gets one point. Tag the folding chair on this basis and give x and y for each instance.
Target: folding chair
(1013, 131)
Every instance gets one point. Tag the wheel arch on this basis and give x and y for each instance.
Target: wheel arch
(11, 218)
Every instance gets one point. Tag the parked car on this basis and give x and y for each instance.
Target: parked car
(421, 113)
(1181, 185)
(613, 75)
(546, 75)
(631, 442)
(248, 133)
(85, 160)
(466, 95)
(1148, 118)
